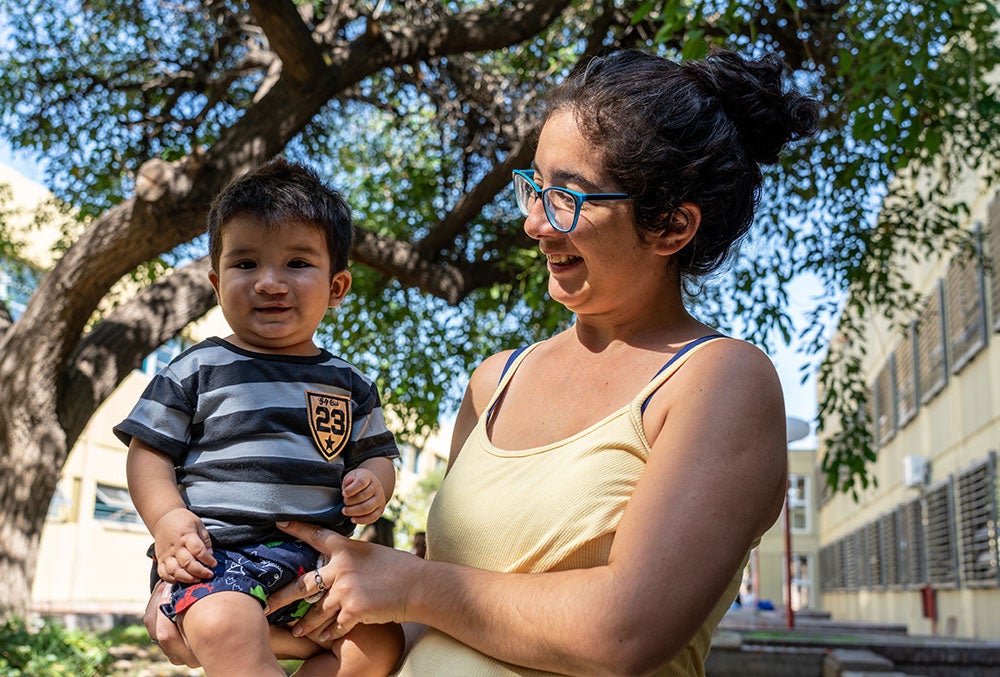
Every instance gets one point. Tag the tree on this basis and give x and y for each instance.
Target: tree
(419, 109)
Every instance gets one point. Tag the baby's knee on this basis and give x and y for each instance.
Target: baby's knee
(221, 619)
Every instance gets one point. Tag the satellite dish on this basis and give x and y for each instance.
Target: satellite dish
(795, 429)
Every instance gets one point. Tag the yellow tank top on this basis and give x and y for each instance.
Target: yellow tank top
(549, 508)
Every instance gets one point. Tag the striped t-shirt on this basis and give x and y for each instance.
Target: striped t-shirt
(258, 438)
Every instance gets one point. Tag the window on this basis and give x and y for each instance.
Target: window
(839, 555)
(60, 507)
(17, 282)
(852, 570)
(827, 568)
(873, 562)
(932, 372)
(941, 565)
(160, 358)
(888, 538)
(884, 396)
(913, 565)
(799, 496)
(906, 378)
(801, 581)
(115, 505)
(975, 491)
(993, 241)
(964, 309)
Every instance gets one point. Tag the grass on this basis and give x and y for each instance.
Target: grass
(47, 648)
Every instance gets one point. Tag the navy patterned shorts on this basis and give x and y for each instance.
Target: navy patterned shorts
(256, 570)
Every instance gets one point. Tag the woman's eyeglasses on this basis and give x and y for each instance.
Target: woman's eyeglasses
(561, 205)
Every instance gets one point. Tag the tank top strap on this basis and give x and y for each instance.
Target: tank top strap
(672, 365)
(509, 368)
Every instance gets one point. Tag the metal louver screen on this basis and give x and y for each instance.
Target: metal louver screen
(964, 309)
(975, 491)
(873, 549)
(940, 534)
(885, 404)
(889, 548)
(851, 568)
(911, 544)
(993, 242)
(906, 380)
(931, 372)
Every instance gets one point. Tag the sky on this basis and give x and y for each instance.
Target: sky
(800, 398)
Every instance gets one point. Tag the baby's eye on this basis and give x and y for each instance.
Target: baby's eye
(245, 265)
(298, 263)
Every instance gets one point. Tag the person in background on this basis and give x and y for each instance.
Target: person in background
(420, 544)
(379, 531)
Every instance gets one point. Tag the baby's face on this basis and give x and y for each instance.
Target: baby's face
(274, 285)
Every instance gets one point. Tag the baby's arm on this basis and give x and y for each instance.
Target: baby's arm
(183, 547)
(367, 489)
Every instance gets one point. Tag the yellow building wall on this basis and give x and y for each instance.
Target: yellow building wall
(768, 561)
(956, 429)
(89, 565)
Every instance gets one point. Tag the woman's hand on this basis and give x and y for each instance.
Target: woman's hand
(164, 632)
(365, 583)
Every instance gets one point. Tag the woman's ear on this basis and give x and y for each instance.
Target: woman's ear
(683, 226)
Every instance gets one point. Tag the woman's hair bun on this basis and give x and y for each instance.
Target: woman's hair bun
(753, 96)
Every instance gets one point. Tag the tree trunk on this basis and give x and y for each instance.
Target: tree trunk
(33, 450)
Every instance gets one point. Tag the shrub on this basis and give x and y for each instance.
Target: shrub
(48, 649)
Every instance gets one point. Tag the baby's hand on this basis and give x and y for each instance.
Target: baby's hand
(183, 547)
(364, 498)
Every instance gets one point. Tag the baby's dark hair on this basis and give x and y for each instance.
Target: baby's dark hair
(693, 132)
(281, 192)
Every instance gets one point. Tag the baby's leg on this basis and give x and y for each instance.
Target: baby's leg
(228, 633)
(366, 651)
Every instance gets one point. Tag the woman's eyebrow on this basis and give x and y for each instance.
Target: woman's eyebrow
(565, 176)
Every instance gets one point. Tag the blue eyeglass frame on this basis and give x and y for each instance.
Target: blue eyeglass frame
(578, 199)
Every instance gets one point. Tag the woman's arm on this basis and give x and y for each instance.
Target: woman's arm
(714, 481)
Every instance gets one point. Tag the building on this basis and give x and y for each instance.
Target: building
(766, 573)
(920, 547)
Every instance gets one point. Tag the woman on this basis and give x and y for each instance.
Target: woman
(606, 485)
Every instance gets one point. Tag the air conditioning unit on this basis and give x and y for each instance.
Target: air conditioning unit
(916, 471)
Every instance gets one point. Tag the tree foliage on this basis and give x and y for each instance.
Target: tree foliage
(418, 110)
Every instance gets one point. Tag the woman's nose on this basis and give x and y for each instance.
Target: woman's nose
(536, 223)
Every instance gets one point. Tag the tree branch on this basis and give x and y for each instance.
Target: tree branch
(290, 38)
(404, 261)
(470, 204)
(119, 343)
(5, 318)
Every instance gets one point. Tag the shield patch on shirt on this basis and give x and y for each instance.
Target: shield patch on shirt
(329, 421)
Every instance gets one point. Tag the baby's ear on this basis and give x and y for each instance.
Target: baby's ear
(340, 284)
(213, 277)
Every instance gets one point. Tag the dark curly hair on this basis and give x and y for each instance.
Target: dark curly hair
(281, 192)
(695, 132)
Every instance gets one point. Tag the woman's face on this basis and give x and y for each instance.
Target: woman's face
(602, 263)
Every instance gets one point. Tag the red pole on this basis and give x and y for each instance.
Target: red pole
(789, 614)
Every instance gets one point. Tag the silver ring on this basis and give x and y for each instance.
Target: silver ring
(320, 586)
